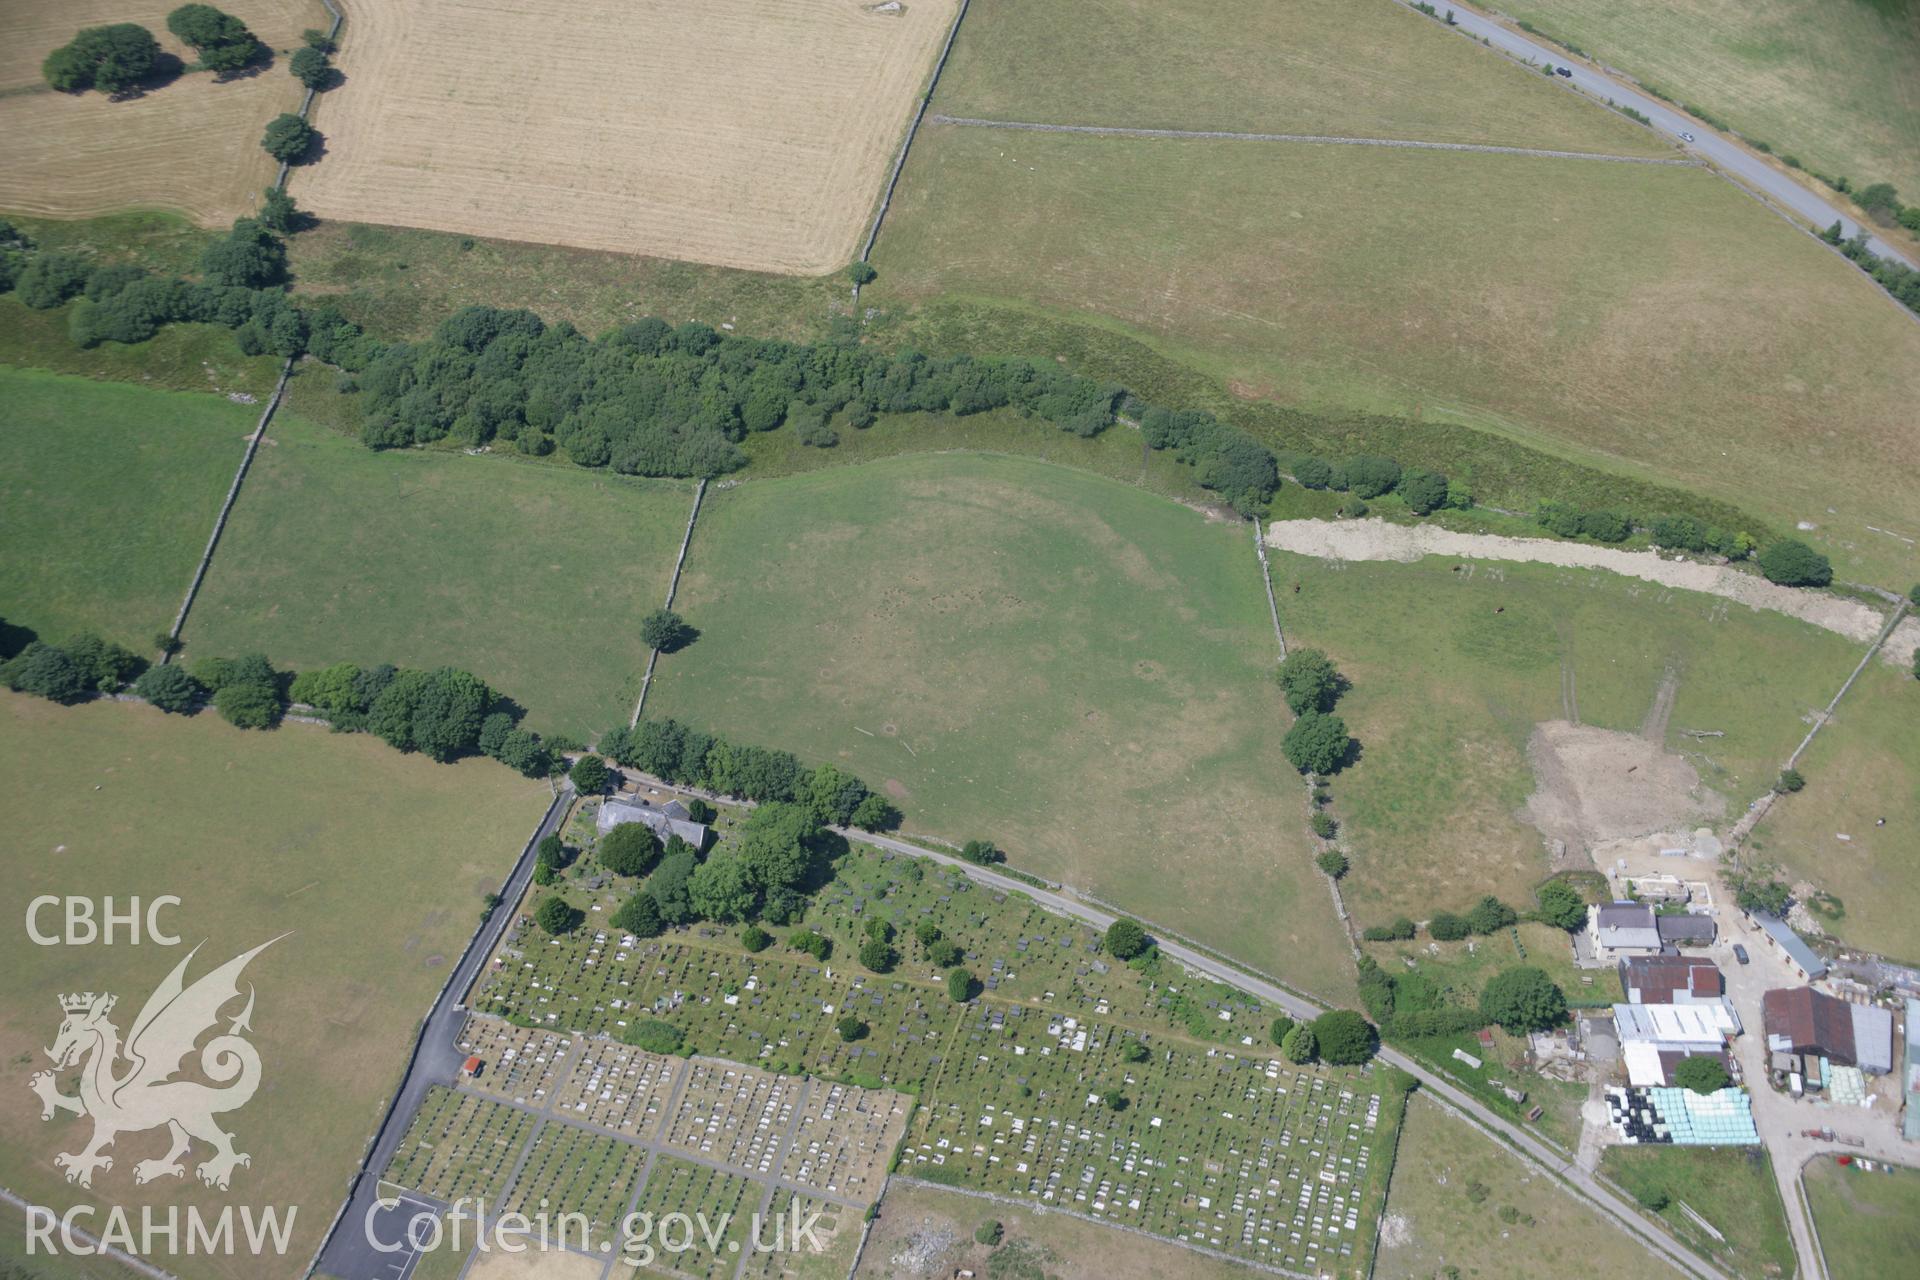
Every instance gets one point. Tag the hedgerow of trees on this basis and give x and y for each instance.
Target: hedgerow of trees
(1368, 476)
(691, 757)
(288, 138)
(72, 672)
(647, 398)
(1676, 533)
(445, 713)
(1893, 275)
(312, 67)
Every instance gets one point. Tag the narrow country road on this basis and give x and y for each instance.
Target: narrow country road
(347, 1252)
(1431, 1084)
(1725, 154)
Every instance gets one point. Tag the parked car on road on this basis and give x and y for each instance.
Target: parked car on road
(1564, 71)
(1739, 953)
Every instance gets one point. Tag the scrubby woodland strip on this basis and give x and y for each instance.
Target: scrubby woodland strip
(655, 399)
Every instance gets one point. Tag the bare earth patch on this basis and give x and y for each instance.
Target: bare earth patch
(1378, 540)
(1596, 786)
(749, 134)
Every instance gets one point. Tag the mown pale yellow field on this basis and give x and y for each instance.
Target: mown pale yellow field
(192, 144)
(749, 134)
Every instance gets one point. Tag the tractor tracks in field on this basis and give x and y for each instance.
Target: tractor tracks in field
(1316, 139)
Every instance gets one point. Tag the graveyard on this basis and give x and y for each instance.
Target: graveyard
(560, 1123)
(1135, 1094)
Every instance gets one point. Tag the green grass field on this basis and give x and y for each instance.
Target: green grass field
(1353, 68)
(107, 494)
(1831, 81)
(534, 577)
(1730, 1187)
(1864, 766)
(1070, 667)
(258, 834)
(1649, 321)
(1452, 670)
(1460, 1200)
(1869, 1223)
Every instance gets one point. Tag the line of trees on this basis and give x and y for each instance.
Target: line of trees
(647, 398)
(1318, 742)
(1895, 276)
(1560, 905)
(76, 671)
(650, 398)
(312, 63)
(694, 758)
(444, 713)
(1786, 561)
(1341, 1037)
(1367, 476)
(1489, 915)
(1677, 533)
(242, 288)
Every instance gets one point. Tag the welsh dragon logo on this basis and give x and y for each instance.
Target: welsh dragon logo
(130, 1088)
